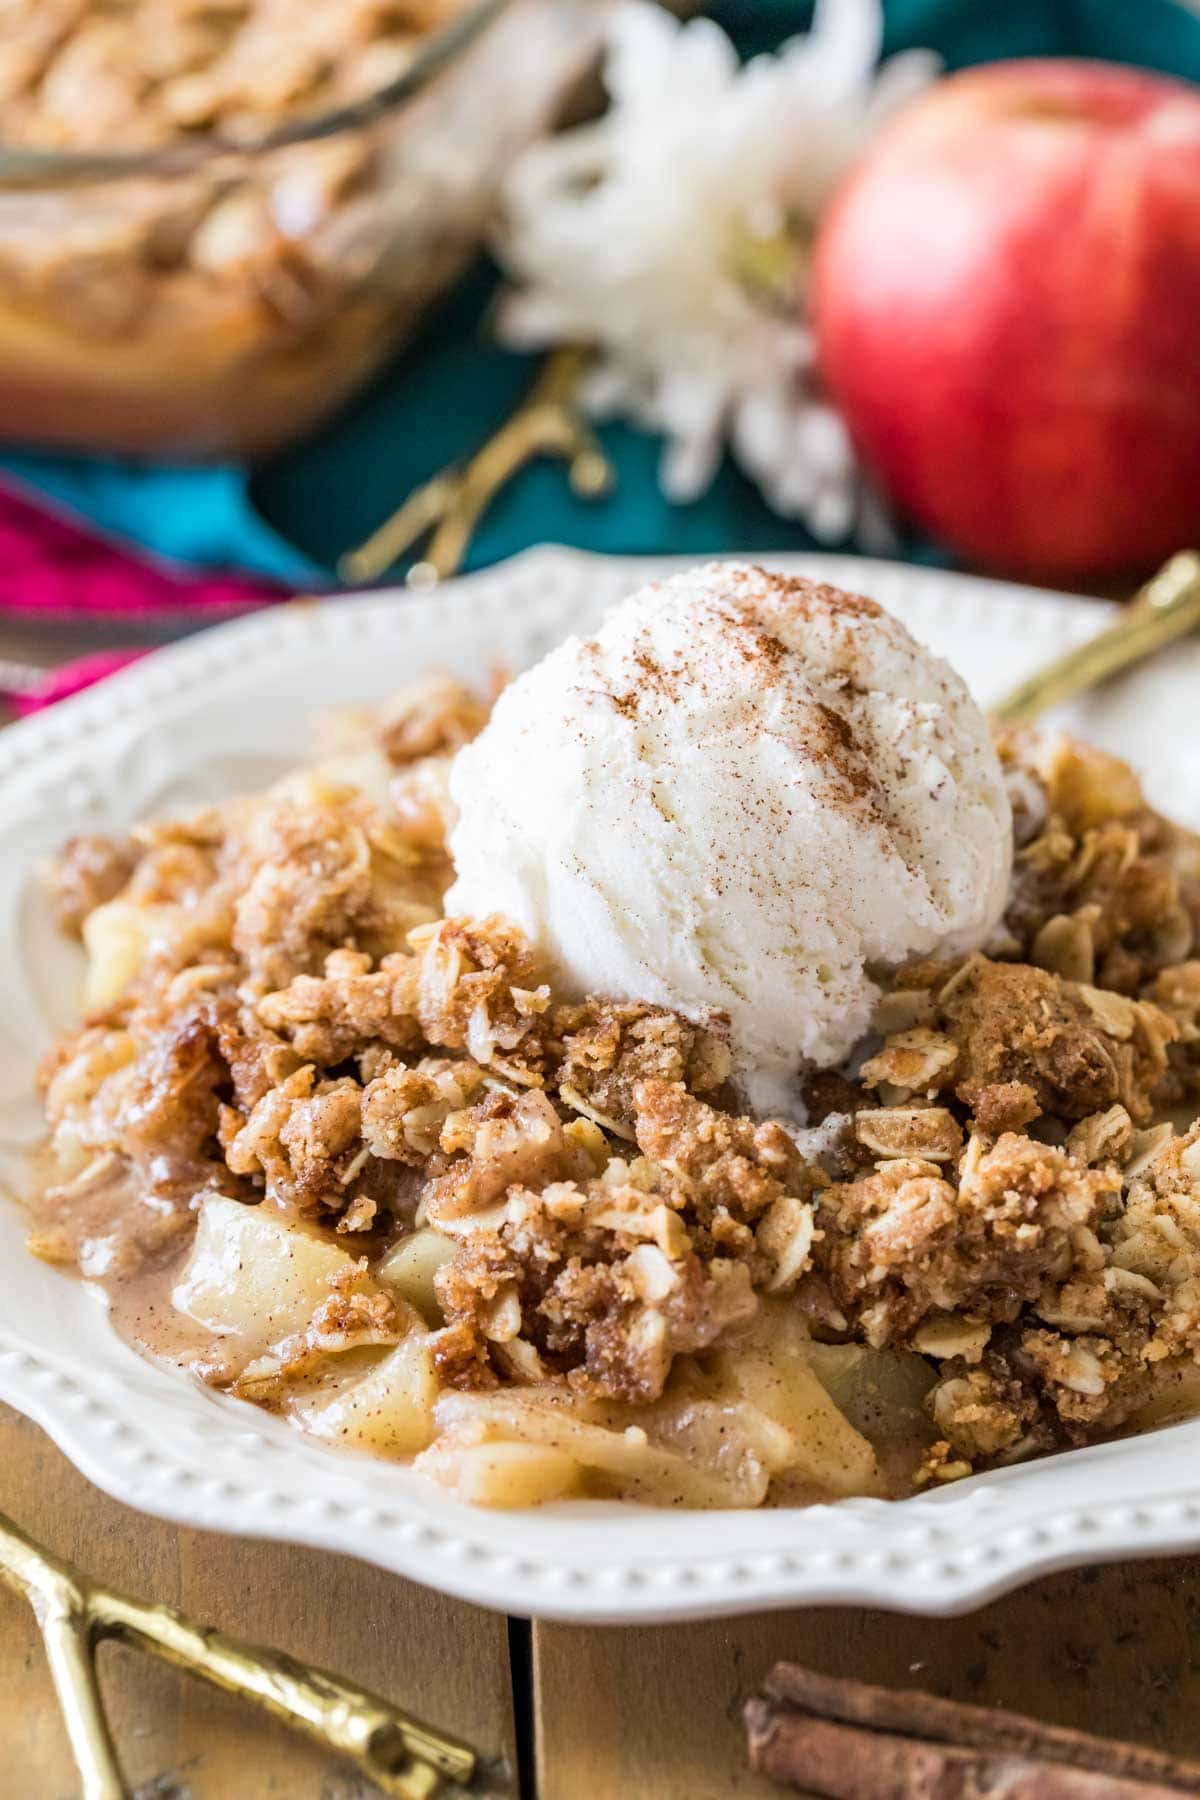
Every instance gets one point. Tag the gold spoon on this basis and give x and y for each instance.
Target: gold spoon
(1167, 608)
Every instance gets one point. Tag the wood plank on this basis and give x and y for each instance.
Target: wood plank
(656, 1712)
(179, 1740)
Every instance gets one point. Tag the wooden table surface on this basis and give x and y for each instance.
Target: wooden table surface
(591, 1713)
(573, 1713)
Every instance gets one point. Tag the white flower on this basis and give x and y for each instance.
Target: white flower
(673, 232)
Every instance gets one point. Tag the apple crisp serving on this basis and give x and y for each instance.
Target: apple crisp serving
(359, 1163)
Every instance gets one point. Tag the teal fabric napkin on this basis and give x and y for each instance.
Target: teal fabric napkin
(292, 516)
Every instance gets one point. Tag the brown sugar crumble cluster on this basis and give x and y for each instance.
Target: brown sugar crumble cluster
(996, 1202)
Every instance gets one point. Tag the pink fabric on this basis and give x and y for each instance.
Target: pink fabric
(51, 566)
(70, 677)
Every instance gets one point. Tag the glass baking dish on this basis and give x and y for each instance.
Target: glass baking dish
(212, 299)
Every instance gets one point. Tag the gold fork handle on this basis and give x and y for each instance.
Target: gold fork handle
(1167, 608)
(419, 513)
(548, 422)
(69, 1652)
(543, 427)
(401, 1756)
(344, 1717)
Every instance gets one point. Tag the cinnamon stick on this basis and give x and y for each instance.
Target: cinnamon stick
(987, 1728)
(849, 1740)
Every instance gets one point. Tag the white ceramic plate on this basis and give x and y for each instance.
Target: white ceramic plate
(229, 709)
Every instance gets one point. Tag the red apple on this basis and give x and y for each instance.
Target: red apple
(1007, 308)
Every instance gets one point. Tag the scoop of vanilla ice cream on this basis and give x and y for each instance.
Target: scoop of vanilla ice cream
(743, 798)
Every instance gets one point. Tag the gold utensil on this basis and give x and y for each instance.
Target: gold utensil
(401, 1756)
(1167, 608)
(547, 423)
